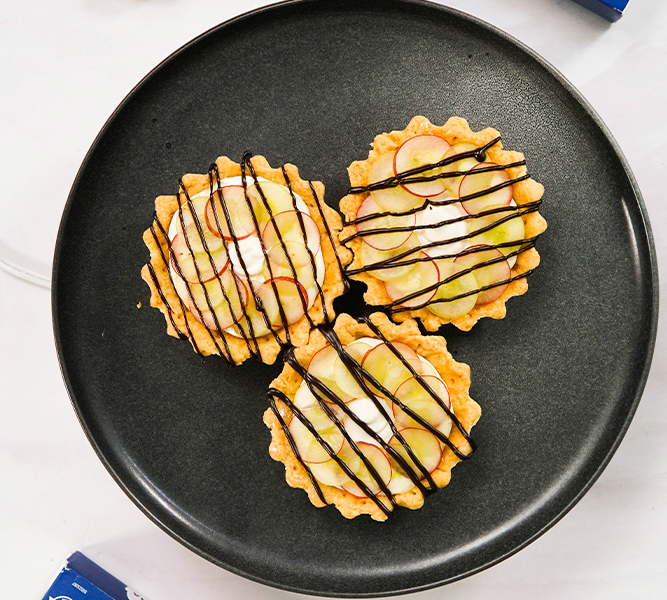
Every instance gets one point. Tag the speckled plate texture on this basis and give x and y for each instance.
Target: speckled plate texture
(312, 83)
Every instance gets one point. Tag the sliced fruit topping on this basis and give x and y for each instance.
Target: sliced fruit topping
(344, 379)
(423, 276)
(379, 461)
(371, 256)
(310, 448)
(511, 229)
(387, 369)
(299, 257)
(254, 323)
(228, 310)
(420, 151)
(288, 225)
(477, 182)
(277, 196)
(489, 274)
(322, 367)
(238, 212)
(383, 241)
(291, 295)
(208, 266)
(391, 199)
(451, 229)
(464, 284)
(416, 398)
(425, 446)
(331, 473)
(460, 166)
(186, 222)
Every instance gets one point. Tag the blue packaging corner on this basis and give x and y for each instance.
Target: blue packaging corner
(82, 578)
(612, 10)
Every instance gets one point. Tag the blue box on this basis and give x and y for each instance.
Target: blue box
(611, 10)
(81, 578)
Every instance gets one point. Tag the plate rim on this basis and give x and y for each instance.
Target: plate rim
(652, 266)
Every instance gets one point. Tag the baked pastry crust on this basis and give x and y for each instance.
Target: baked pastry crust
(182, 323)
(455, 130)
(434, 348)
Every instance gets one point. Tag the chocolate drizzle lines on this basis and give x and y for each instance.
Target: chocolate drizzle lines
(412, 255)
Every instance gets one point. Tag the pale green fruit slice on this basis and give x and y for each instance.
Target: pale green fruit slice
(464, 164)
(420, 151)
(298, 256)
(415, 397)
(213, 241)
(464, 284)
(393, 199)
(383, 241)
(182, 260)
(422, 277)
(344, 379)
(512, 230)
(238, 212)
(309, 447)
(424, 444)
(489, 274)
(331, 473)
(287, 223)
(387, 368)
(380, 462)
(277, 196)
(371, 256)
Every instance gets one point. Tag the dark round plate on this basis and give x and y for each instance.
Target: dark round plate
(312, 83)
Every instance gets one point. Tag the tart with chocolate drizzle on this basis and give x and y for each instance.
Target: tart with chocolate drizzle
(370, 416)
(442, 223)
(245, 260)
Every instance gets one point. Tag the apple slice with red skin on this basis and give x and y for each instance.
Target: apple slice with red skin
(463, 284)
(240, 214)
(186, 261)
(475, 182)
(415, 397)
(425, 446)
(380, 462)
(227, 311)
(420, 151)
(291, 295)
(288, 225)
(192, 226)
(424, 275)
(299, 257)
(277, 196)
(344, 379)
(383, 241)
(487, 275)
(511, 230)
(465, 164)
(322, 367)
(309, 447)
(331, 473)
(371, 256)
(391, 199)
(387, 369)
(256, 318)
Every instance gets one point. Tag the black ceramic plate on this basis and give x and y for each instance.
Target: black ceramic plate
(312, 83)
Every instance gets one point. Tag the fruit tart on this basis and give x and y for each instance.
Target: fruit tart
(370, 415)
(245, 260)
(443, 223)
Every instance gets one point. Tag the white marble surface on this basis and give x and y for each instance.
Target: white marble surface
(64, 67)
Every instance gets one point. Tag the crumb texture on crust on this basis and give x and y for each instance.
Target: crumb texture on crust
(433, 348)
(455, 130)
(180, 320)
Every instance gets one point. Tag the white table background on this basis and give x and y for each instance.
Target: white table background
(64, 67)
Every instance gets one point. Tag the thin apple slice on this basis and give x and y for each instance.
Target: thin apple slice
(511, 230)
(415, 397)
(254, 323)
(288, 225)
(291, 295)
(463, 284)
(310, 448)
(391, 199)
(420, 151)
(298, 256)
(379, 461)
(383, 241)
(277, 196)
(489, 274)
(186, 222)
(371, 256)
(476, 182)
(344, 379)
(387, 369)
(238, 212)
(424, 275)
(452, 229)
(227, 311)
(460, 166)
(322, 367)
(186, 261)
(426, 447)
(331, 473)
